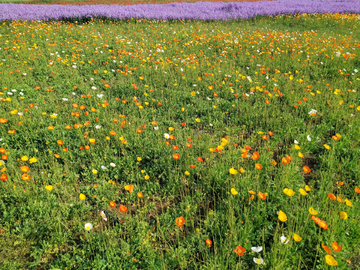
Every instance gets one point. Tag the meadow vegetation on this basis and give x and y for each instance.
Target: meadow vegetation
(143, 144)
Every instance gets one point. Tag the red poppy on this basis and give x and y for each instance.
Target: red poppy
(326, 248)
(174, 147)
(176, 156)
(332, 196)
(200, 159)
(189, 139)
(208, 242)
(192, 166)
(183, 124)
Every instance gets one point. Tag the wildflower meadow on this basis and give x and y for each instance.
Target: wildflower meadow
(183, 135)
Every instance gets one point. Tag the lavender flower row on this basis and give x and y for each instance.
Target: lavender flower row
(178, 11)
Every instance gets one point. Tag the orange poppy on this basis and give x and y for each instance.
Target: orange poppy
(208, 242)
(3, 120)
(274, 163)
(335, 138)
(336, 247)
(339, 199)
(68, 127)
(262, 195)
(130, 188)
(189, 139)
(24, 169)
(172, 137)
(139, 130)
(12, 131)
(112, 204)
(332, 196)
(326, 248)
(3, 177)
(285, 160)
(25, 177)
(192, 166)
(306, 169)
(188, 145)
(82, 147)
(247, 147)
(200, 159)
(60, 142)
(4, 157)
(87, 147)
(87, 123)
(180, 221)
(140, 195)
(2, 150)
(239, 250)
(123, 208)
(289, 157)
(255, 156)
(323, 224)
(357, 190)
(271, 133)
(258, 166)
(51, 128)
(265, 137)
(65, 149)
(57, 155)
(82, 107)
(174, 147)
(113, 133)
(176, 156)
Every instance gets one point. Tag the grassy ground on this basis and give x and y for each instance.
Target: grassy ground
(195, 139)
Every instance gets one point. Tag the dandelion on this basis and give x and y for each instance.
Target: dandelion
(88, 226)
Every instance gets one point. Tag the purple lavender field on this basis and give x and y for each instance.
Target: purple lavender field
(178, 11)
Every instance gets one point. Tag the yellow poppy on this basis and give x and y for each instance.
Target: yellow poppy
(234, 192)
(233, 171)
(343, 215)
(297, 237)
(289, 192)
(313, 212)
(303, 192)
(330, 260)
(282, 216)
(49, 187)
(82, 197)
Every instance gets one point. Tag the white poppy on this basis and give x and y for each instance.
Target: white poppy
(308, 138)
(112, 165)
(258, 260)
(284, 240)
(167, 136)
(257, 249)
(88, 226)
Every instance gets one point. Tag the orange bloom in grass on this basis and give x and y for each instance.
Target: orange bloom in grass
(335, 138)
(262, 195)
(258, 166)
(332, 196)
(306, 169)
(129, 188)
(357, 190)
(326, 248)
(188, 145)
(25, 177)
(274, 163)
(3, 120)
(113, 133)
(2, 150)
(265, 137)
(323, 224)
(68, 127)
(57, 155)
(208, 242)
(12, 131)
(123, 208)
(174, 147)
(336, 247)
(255, 156)
(271, 133)
(112, 204)
(285, 160)
(140, 195)
(192, 166)
(200, 159)
(65, 149)
(239, 250)
(180, 221)
(24, 169)
(59, 142)
(3, 177)
(176, 156)
(247, 147)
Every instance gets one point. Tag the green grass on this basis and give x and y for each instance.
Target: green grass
(213, 85)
